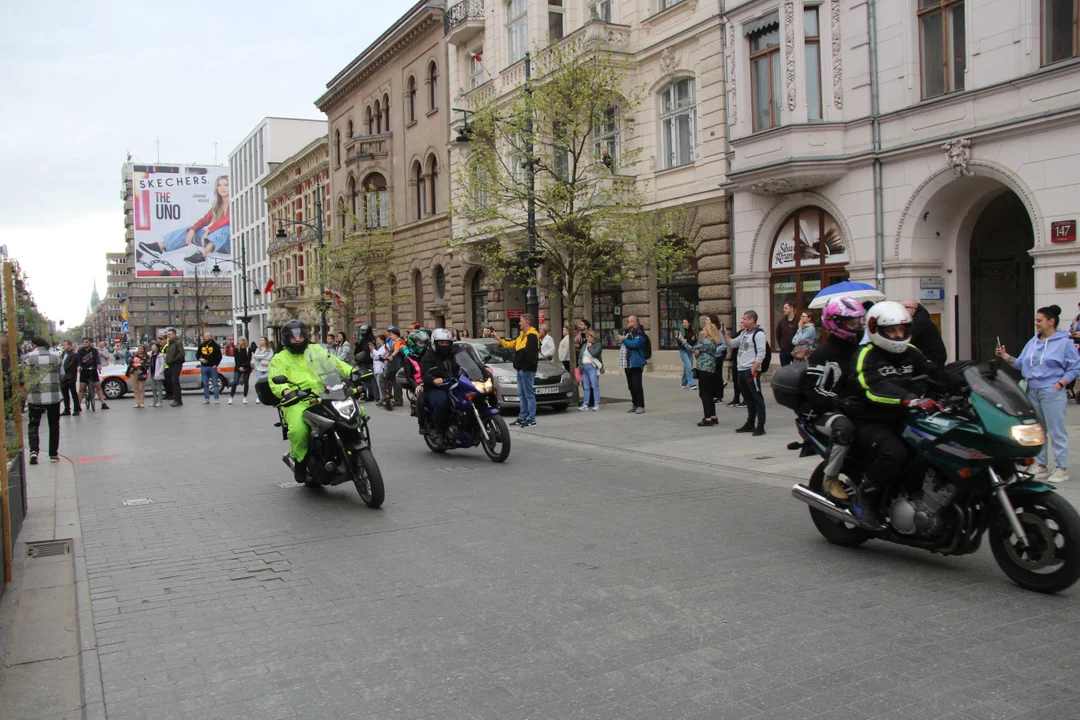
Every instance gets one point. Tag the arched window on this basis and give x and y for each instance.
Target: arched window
(433, 85)
(337, 148)
(418, 296)
(350, 135)
(411, 100)
(433, 181)
(370, 122)
(421, 190)
(377, 201)
(479, 294)
(386, 112)
(372, 318)
(393, 300)
(354, 204)
(378, 117)
(807, 254)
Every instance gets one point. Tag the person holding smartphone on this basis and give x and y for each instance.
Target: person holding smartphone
(750, 346)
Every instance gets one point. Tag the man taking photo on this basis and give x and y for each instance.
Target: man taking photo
(526, 347)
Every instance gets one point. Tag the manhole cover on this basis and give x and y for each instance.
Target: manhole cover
(138, 501)
(48, 548)
(289, 484)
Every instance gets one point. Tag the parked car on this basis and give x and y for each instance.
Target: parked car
(554, 386)
(115, 383)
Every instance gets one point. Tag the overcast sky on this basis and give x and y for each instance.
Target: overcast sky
(84, 82)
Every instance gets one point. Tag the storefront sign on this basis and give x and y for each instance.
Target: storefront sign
(934, 282)
(932, 294)
(1063, 231)
(1065, 280)
(514, 314)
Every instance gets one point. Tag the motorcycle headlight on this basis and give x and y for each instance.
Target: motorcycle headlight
(347, 408)
(1028, 435)
(484, 387)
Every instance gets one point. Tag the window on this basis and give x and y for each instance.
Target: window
(807, 254)
(942, 48)
(411, 99)
(393, 300)
(476, 68)
(370, 122)
(812, 38)
(606, 139)
(440, 281)
(378, 117)
(433, 85)
(561, 159)
(433, 178)
(421, 190)
(665, 4)
(765, 84)
(350, 126)
(677, 119)
(555, 20)
(677, 300)
(377, 201)
(1059, 30)
(607, 315)
(479, 295)
(337, 148)
(600, 10)
(354, 205)
(386, 111)
(418, 296)
(517, 29)
(371, 303)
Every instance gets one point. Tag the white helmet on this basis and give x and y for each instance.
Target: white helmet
(884, 315)
(441, 334)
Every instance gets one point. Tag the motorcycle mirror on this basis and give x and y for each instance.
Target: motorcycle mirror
(280, 379)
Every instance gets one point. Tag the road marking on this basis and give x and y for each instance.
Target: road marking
(138, 501)
(100, 458)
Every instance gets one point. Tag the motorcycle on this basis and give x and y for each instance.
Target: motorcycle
(474, 414)
(969, 476)
(340, 447)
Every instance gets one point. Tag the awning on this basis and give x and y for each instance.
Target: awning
(763, 24)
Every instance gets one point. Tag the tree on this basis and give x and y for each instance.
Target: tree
(566, 127)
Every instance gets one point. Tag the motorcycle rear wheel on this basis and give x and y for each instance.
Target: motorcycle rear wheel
(836, 532)
(1052, 562)
(429, 438)
(372, 492)
(498, 446)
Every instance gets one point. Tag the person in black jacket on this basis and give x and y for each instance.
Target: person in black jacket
(887, 382)
(241, 368)
(365, 361)
(209, 354)
(69, 369)
(438, 369)
(925, 334)
(526, 347)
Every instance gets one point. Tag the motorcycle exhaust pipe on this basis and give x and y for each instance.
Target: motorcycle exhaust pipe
(820, 502)
(288, 461)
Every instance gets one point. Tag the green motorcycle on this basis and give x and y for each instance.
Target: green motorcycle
(970, 475)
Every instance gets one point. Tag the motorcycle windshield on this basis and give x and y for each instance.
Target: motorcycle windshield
(998, 389)
(469, 366)
(326, 369)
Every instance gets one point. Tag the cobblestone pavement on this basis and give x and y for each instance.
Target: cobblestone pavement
(572, 582)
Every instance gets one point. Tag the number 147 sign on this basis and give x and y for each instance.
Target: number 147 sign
(1063, 231)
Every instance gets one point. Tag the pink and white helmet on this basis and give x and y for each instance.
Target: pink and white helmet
(836, 313)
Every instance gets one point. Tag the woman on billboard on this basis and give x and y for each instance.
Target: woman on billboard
(209, 233)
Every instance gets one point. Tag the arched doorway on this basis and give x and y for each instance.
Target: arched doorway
(1002, 277)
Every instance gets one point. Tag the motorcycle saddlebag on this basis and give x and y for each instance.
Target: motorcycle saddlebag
(787, 385)
(263, 392)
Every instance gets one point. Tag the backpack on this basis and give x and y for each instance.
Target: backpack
(648, 347)
(768, 350)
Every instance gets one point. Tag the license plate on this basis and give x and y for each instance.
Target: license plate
(547, 391)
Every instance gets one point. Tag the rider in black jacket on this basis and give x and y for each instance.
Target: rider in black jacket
(438, 369)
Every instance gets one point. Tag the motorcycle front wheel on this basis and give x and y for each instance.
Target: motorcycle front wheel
(1050, 562)
(497, 443)
(836, 532)
(368, 478)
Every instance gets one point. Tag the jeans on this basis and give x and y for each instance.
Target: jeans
(155, 390)
(1050, 405)
(177, 239)
(210, 376)
(52, 410)
(439, 401)
(687, 369)
(633, 383)
(590, 382)
(755, 401)
(241, 377)
(785, 358)
(526, 396)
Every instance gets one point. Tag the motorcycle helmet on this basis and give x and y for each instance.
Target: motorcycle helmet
(393, 329)
(837, 314)
(883, 317)
(442, 341)
(416, 343)
(294, 336)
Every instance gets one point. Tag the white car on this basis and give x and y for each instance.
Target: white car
(115, 383)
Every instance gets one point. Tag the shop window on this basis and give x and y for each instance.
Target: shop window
(607, 316)
(677, 300)
(942, 46)
(765, 82)
(807, 254)
(1060, 31)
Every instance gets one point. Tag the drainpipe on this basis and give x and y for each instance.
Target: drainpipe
(730, 200)
(875, 113)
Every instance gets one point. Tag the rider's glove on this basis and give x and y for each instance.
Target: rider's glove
(924, 404)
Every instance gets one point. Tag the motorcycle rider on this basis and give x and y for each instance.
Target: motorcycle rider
(307, 366)
(827, 371)
(438, 369)
(887, 380)
(365, 362)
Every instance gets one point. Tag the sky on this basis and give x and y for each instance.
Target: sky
(85, 82)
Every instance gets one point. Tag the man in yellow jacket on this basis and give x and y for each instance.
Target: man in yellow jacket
(526, 347)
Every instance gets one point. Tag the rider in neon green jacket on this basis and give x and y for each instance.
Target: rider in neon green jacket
(311, 367)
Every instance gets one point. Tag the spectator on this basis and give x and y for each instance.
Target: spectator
(547, 344)
(209, 354)
(174, 365)
(344, 349)
(786, 328)
(564, 349)
(750, 354)
(137, 370)
(489, 332)
(378, 362)
(465, 334)
(632, 359)
(69, 375)
(156, 373)
(591, 366)
(43, 397)
(925, 334)
(241, 368)
(526, 348)
(805, 338)
(704, 351)
(260, 361)
(395, 346)
(720, 354)
(687, 338)
(229, 350)
(582, 327)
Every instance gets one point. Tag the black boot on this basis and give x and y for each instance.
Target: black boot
(299, 472)
(866, 499)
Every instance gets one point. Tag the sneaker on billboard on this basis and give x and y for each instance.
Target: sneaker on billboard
(149, 249)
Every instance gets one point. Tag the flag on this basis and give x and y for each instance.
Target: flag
(477, 58)
(335, 295)
(269, 286)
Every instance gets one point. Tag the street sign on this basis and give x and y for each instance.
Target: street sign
(124, 326)
(514, 314)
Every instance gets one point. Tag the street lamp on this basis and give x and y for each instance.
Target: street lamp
(322, 305)
(216, 272)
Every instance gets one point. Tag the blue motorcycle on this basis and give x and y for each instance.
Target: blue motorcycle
(474, 414)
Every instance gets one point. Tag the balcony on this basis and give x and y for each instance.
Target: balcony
(286, 294)
(464, 21)
(364, 148)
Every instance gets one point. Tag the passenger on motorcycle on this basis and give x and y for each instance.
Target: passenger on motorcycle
(308, 367)
(365, 361)
(413, 351)
(887, 380)
(439, 369)
(827, 371)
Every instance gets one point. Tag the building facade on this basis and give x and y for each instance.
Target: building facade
(924, 147)
(674, 48)
(388, 115)
(295, 190)
(271, 141)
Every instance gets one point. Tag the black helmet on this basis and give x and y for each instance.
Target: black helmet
(294, 336)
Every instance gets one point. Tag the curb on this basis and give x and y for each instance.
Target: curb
(93, 694)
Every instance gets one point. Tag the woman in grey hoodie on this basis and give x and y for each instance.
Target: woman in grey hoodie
(260, 361)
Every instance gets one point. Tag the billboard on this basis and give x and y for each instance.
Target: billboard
(181, 219)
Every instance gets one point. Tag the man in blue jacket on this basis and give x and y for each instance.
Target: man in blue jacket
(632, 359)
